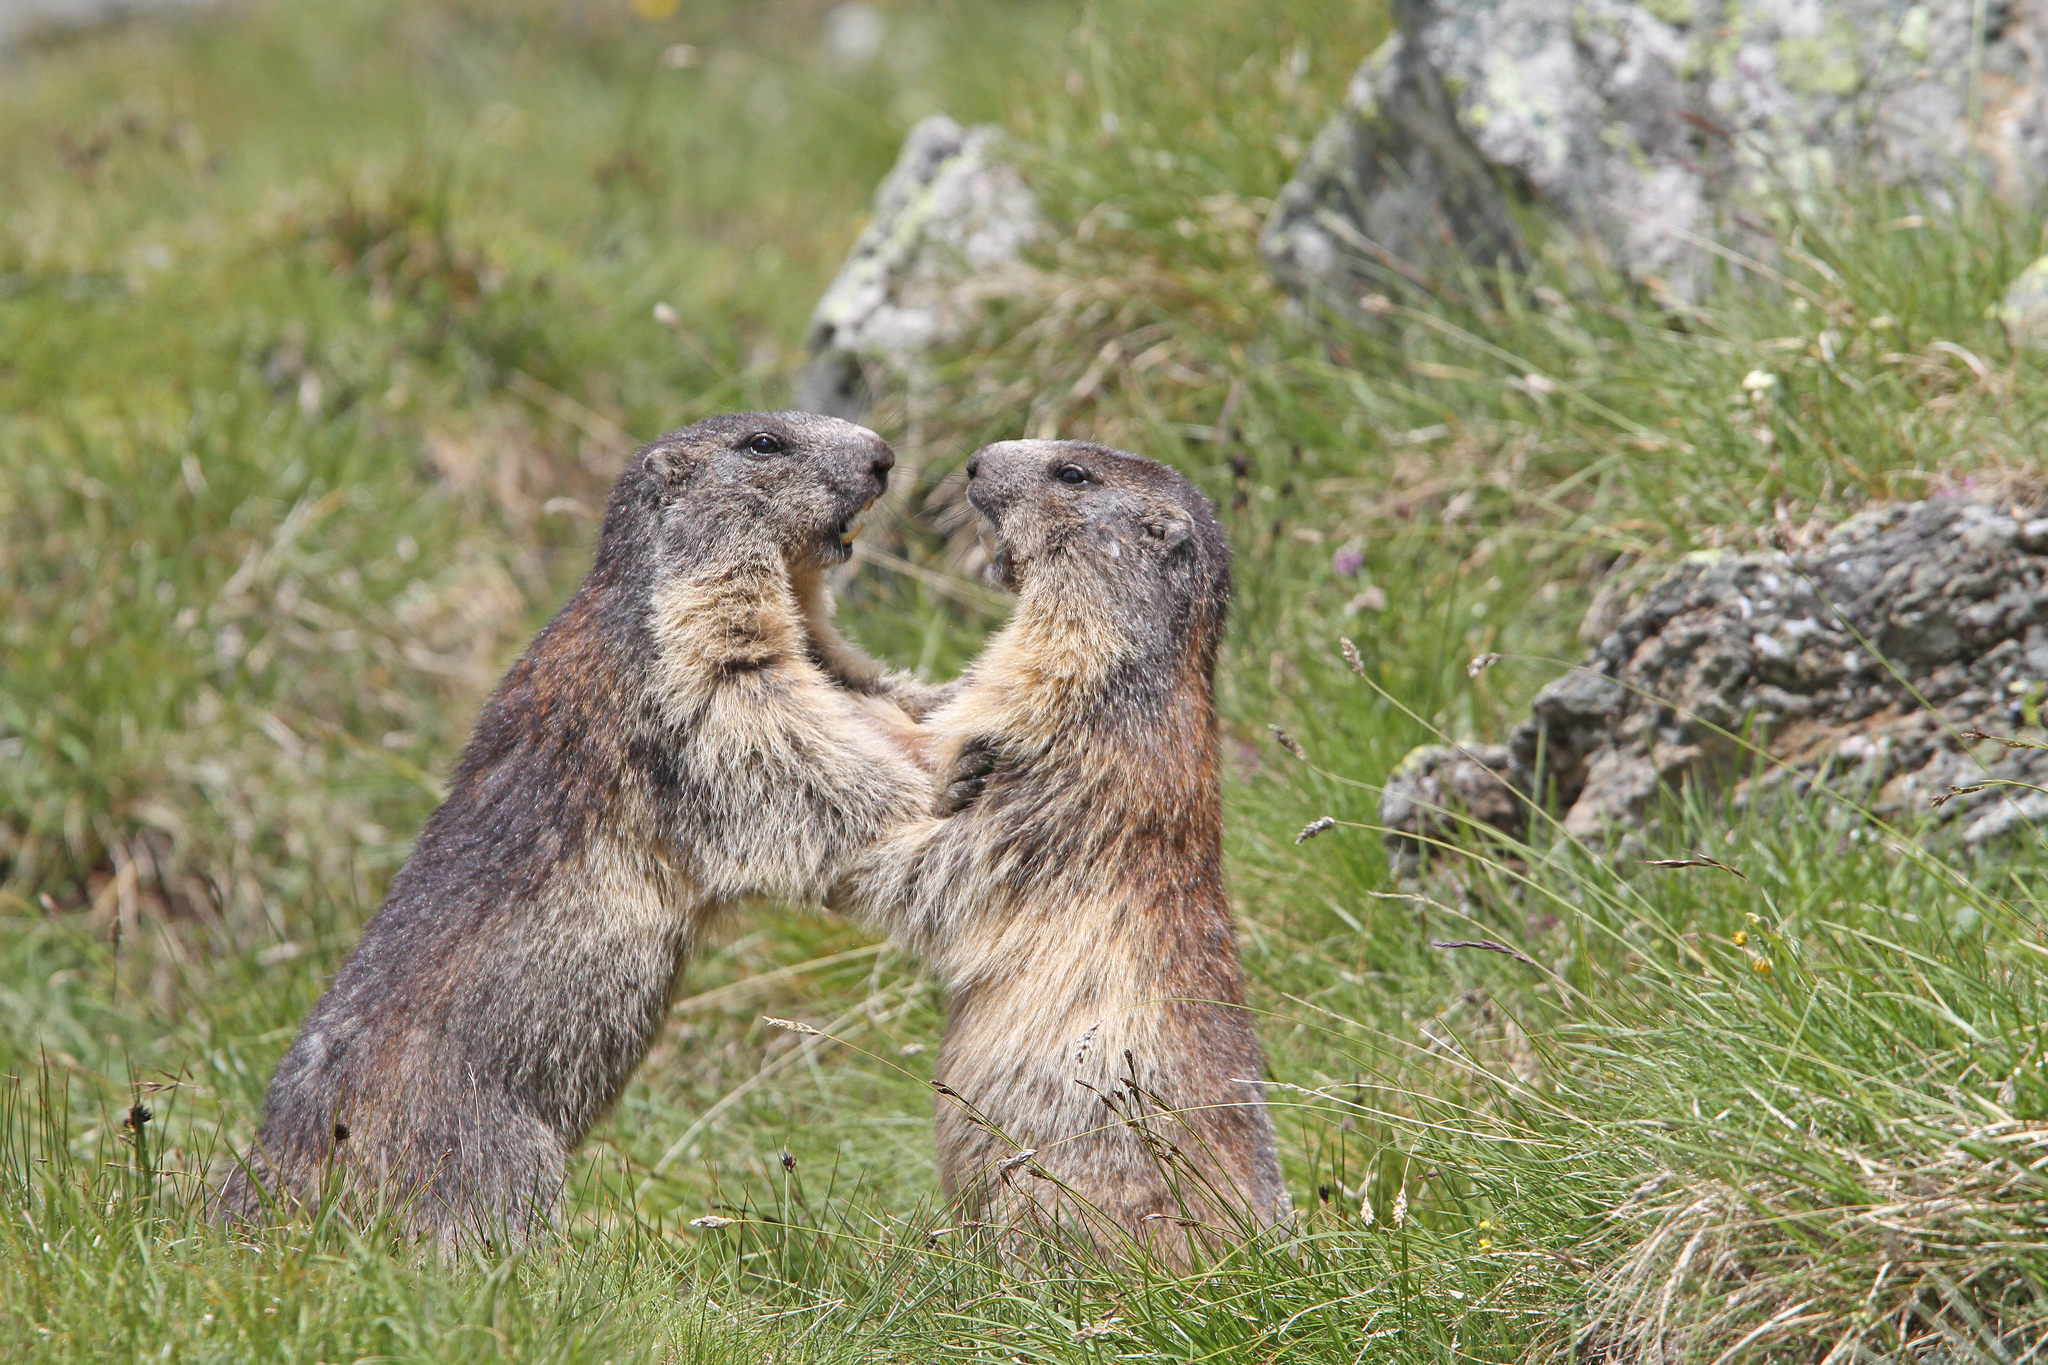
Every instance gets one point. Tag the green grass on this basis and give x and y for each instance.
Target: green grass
(322, 329)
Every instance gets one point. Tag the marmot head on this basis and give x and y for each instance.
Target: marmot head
(1103, 522)
(791, 482)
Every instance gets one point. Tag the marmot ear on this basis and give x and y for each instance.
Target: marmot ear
(667, 466)
(1169, 526)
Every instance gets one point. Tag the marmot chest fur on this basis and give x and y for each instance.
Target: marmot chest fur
(1072, 901)
(674, 740)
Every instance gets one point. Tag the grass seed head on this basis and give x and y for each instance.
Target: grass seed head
(1288, 742)
(1313, 828)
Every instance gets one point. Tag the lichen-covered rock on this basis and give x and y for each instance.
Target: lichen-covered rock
(950, 225)
(1388, 183)
(1865, 663)
(1440, 793)
(1655, 128)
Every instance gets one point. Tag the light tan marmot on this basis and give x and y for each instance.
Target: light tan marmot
(678, 738)
(1072, 902)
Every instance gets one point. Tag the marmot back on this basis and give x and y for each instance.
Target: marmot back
(673, 740)
(1069, 888)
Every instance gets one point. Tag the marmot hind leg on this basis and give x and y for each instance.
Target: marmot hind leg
(494, 1181)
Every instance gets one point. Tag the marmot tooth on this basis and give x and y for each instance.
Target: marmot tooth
(857, 525)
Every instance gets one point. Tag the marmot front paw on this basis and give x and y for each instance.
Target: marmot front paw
(966, 780)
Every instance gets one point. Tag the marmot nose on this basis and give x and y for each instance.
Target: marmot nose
(973, 465)
(884, 461)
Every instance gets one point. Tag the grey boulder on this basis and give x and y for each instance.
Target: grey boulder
(1668, 132)
(951, 222)
(1870, 664)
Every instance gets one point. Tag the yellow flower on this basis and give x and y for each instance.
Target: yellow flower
(1741, 937)
(1485, 1223)
(1485, 1242)
(1754, 919)
(1760, 965)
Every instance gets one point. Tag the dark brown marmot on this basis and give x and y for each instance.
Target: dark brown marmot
(1074, 906)
(678, 738)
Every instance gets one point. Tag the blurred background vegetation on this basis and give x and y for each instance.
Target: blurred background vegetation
(323, 329)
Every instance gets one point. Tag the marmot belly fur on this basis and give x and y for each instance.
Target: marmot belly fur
(674, 740)
(1074, 905)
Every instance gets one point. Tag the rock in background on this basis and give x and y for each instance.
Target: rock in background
(1438, 789)
(1865, 663)
(1655, 128)
(950, 225)
(23, 18)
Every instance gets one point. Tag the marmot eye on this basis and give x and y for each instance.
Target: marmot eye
(762, 443)
(1072, 473)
